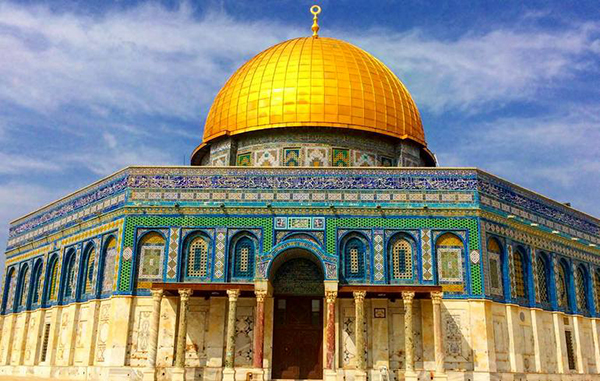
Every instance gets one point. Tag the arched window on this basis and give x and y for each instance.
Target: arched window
(562, 285)
(449, 250)
(519, 273)
(542, 270)
(152, 251)
(495, 261)
(89, 263)
(197, 257)
(9, 290)
(70, 278)
(108, 267)
(581, 289)
(354, 250)
(22, 287)
(52, 279)
(36, 284)
(401, 259)
(244, 250)
(597, 289)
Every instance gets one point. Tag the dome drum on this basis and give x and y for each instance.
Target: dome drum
(314, 85)
(312, 147)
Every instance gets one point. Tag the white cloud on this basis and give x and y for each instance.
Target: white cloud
(477, 70)
(15, 164)
(556, 154)
(150, 60)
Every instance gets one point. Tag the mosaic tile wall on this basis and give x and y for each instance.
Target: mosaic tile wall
(460, 187)
(155, 191)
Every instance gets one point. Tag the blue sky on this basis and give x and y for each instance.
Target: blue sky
(87, 88)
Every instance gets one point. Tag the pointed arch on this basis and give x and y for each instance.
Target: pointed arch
(450, 252)
(597, 290)
(198, 249)
(151, 254)
(69, 278)
(242, 256)
(9, 290)
(51, 282)
(354, 248)
(542, 269)
(563, 282)
(401, 255)
(22, 287)
(88, 264)
(519, 265)
(106, 279)
(582, 289)
(496, 264)
(36, 282)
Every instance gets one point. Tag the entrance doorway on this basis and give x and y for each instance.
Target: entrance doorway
(298, 320)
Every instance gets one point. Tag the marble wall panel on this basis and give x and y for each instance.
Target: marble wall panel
(195, 355)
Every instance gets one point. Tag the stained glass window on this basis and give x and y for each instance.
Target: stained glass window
(10, 290)
(542, 278)
(244, 258)
(70, 278)
(581, 289)
(197, 258)
(597, 287)
(401, 259)
(495, 265)
(22, 287)
(53, 280)
(35, 289)
(89, 270)
(108, 270)
(354, 253)
(520, 274)
(562, 287)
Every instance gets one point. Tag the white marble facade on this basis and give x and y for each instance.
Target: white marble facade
(482, 340)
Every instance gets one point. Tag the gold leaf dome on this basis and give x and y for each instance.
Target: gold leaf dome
(314, 82)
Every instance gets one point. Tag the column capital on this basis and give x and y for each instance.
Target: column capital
(359, 296)
(260, 295)
(331, 296)
(157, 293)
(184, 293)
(436, 296)
(408, 296)
(233, 294)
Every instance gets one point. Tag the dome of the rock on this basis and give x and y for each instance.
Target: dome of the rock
(316, 82)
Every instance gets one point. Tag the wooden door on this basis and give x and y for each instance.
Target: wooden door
(298, 338)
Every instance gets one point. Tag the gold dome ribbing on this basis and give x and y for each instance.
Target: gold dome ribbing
(316, 82)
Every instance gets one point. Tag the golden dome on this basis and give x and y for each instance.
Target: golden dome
(316, 82)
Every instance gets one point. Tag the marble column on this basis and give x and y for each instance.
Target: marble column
(149, 372)
(438, 340)
(330, 329)
(228, 372)
(259, 329)
(184, 298)
(359, 333)
(409, 345)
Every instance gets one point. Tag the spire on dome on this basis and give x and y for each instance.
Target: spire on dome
(315, 10)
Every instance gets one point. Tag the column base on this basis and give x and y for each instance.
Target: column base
(178, 374)
(410, 376)
(440, 377)
(360, 375)
(228, 374)
(329, 375)
(258, 375)
(149, 374)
